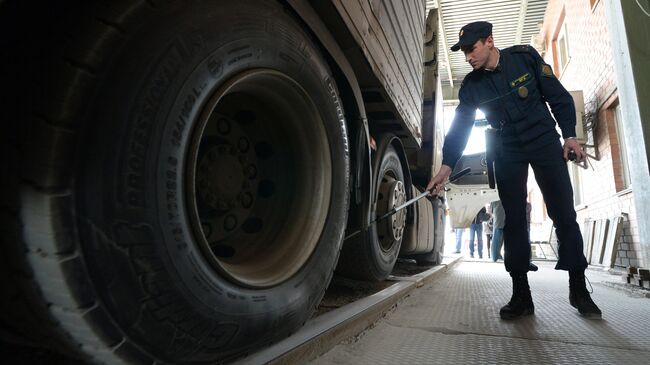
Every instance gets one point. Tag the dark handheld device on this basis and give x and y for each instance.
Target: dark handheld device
(572, 156)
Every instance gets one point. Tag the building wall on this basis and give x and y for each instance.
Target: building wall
(590, 69)
(630, 35)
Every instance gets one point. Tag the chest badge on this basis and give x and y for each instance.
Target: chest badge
(523, 92)
(520, 79)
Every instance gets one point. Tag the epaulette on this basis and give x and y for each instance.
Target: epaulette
(522, 48)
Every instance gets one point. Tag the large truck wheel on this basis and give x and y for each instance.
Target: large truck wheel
(202, 211)
(372, 255)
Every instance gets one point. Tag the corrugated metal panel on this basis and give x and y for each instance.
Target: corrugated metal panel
(512, 20)
(390, 33)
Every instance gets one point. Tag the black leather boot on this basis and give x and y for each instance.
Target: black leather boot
(579, 296)
(521, 303)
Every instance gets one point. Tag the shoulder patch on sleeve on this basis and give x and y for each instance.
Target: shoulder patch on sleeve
(546, 70)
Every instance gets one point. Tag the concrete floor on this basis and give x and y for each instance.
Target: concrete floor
(455, 320)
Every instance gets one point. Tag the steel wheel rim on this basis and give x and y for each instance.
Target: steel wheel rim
(391, 194)
(259, 178)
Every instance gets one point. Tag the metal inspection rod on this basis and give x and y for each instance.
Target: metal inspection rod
(460, 174)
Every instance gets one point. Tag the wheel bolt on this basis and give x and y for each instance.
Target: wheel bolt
(251, 171)
(246, 199)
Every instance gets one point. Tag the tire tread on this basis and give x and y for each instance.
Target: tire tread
(46, 301)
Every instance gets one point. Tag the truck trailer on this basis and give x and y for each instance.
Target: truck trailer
(180, 176)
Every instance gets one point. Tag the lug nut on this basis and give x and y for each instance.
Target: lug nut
(230, 222)
(251, 171)
(246, 200)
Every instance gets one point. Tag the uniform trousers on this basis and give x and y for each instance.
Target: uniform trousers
(552, 176)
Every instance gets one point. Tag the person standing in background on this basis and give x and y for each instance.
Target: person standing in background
(487, 229)
(498, 222)
(476, 229)
(459, 239)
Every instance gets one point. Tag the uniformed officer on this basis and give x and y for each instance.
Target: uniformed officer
(512, 87)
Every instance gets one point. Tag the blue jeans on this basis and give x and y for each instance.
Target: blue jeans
(497, 241)
(476, 230)
(459, 239)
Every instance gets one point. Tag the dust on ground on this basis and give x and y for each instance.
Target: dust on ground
(342, 291)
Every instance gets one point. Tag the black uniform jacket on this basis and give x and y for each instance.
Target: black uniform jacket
(514, 99)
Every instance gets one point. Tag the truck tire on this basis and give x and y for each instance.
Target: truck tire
(436, 255)
(181, 190)
(371, 256)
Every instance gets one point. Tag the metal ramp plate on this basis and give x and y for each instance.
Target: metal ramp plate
(455, 320)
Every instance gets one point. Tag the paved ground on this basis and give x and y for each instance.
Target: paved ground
(455, 320)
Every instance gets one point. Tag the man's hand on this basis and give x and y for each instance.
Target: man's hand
(572, 145)
(436, 184)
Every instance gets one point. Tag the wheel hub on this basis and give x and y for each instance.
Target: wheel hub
(391, 195)
(397, 197)
(226, 180)
(256, 168)
(220, 174)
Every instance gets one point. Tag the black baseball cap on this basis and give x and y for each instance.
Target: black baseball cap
(471, 33)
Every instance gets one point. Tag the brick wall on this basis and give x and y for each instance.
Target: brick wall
(590, 69)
